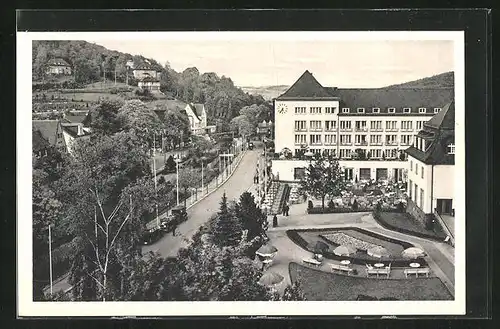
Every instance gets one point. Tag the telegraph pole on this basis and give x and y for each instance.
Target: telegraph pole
(154, 178)
(50, 259)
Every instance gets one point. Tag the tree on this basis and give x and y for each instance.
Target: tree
(293, 293)
(226, 230)
(134, 115)
(251, 217)
(104, 118)
(170, 164)
(323, 177)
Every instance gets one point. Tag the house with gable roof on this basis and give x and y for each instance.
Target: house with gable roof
(197, 118)
(51, 131)
(56, 66)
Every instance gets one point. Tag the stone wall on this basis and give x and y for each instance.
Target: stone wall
(415, 211)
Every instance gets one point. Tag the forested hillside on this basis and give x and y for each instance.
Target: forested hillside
(443, 80)
(91, 62)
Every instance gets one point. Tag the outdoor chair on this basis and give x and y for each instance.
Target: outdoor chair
(312, 261)
(341, 268)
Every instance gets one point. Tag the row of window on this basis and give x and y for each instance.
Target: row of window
(316, 139)
(359, 125)
(413, 194)
(348, 153)
(331, 110)
(416, 169)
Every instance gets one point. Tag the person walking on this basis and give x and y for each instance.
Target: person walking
(275, 220)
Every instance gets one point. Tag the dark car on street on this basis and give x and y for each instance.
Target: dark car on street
(151, 236)
(250, 146)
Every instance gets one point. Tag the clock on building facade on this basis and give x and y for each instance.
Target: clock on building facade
(282, 108)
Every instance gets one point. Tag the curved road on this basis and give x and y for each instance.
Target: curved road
(200, 213)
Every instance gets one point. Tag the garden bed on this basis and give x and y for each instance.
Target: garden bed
(405, 223)
(321, 286)
(306, 239)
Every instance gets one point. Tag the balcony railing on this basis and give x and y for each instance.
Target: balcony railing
(345, 143)
(330, 128)
(391, 129)
(361, 129)
(361, 143)
(316, 129)
(377, 129)
(300, 129)
(330, 143)
(345, 129)
(316, 144)
(302, 143)
(406, 129)
(376, 143)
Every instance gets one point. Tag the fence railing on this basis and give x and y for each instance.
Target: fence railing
(445, 226)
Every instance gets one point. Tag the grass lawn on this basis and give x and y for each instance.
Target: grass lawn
(406, 222)
(322, 286)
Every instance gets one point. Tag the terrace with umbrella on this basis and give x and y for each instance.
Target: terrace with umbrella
(271, 279)
(266, 254)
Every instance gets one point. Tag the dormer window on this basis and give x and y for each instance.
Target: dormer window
(345, 110)
(392, 110)
(376, 110)
(406, 110)
(361, 110)
(421, 110)
(437, 109)
(451, 148)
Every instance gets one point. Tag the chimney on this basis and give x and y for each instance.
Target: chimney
(80, 130)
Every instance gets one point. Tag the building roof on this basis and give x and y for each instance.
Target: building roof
(47, 128)
(149, 79)
(306, 87)
(144, 67)
(397, 98)
(437, 135)
(70, 118)
(38, 141)
(57, 62)
(198, 108)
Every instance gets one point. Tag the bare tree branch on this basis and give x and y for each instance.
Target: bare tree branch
(121, 226)
(96, 280)
(96, 250)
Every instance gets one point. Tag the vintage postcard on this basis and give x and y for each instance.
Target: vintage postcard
(241, 173)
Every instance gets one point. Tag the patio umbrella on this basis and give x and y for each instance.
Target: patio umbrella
(378, 252)
(319, 247)
(270, 278)
(413, 252)
(267, 250)
(344, 250)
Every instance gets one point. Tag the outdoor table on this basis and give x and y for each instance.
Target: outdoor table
(415, 265)
(378, 265)
(345, 262)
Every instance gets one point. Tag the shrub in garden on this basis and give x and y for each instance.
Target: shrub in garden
(429, 223)
(401, 207)
(161, 180)
(310, 205)
(331, 204)
(355, 205)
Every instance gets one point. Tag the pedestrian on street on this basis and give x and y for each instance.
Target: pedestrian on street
(275, 220)
(173, 232)
(287, 209)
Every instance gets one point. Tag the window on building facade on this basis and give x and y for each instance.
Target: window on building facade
(376, 139)
(392, 153)
(375, 153)
(300, 110)
(410, 190)
(451, 148)
(416, 169)
(421, 198)
(345, 125)
(391, 139)
(421, 110)
(420, 125)
(411, 165)
(345, 110)
(315, 110)
(361, 110)
(300, 139)
(360, 140)
(332, 152)
(300, 125)
(315, 139)
(345, 153)
(391, 125)
(406, 139)
(316, 151)
(437, 109)
(422, 171)
(406, 110)
(330, 139)
(376, 125)
(330, 125)
(315, 125)
(416, 192)
(329, 110)
(376, 110)
(406, 125)
(360, 126)
(345, 139)
(392, 110)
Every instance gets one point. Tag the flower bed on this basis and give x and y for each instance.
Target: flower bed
(405, 223)
(342, 238)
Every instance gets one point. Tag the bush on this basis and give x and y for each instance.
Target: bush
(429, 223)
(401, 207)
(310, 205)
(161, 180)
(331, 204)
(355, 205)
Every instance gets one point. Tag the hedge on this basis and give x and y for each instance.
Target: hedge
(376, 216)
(326, 210)
(358, 259)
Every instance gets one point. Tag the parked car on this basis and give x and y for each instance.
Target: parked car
(151, 236)
(250, 146)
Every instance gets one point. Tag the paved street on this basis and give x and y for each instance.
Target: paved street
(239, 182)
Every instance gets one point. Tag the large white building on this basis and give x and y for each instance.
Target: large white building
(367, 129)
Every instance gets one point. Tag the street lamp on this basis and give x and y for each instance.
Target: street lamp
(177, 160)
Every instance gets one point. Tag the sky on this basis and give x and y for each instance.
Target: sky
(334, 63)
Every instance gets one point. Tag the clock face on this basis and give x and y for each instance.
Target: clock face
(282, 108)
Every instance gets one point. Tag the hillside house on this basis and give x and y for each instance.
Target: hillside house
(58, 66)
(71, 132)
(197, 118)
(145, 70)
(149, 83)
(51, 131)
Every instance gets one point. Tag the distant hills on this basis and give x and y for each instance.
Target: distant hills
(443, 80)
